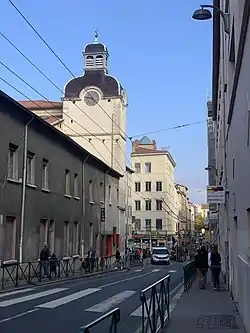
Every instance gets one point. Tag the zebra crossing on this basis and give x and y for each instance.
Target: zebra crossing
(26, 296)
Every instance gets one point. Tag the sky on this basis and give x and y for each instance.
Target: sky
(160, 55)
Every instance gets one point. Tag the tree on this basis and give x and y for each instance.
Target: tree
(199, 222)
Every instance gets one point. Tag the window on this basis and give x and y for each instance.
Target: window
(137, 187)
(158, 186)
(148, 167)
(66, 238)
(91, 197)
(137, 224)
(148, 186)
(76, 185)
(13, 162)
(148, 224)
(10, 238)
(45, 174)
(158, 204)
(148, 204)
(137, 167)
(51, 236)
(158, 224)
(91, 235)
(99, 60)
(75, 237)
(43, 233)
(67, 182)
(110, 195)
(137, 205)
(89, 61)
(30, 168)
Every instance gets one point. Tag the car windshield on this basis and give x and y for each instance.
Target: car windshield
(160, 251)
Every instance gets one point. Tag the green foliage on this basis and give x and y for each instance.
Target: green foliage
(199, 222)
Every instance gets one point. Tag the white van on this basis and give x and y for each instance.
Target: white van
(160, 255)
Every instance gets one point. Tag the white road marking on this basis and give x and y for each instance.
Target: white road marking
(155, 270)
(18, 315)
(67, 299)
(172, 271)
(16, 292)
(138, 270)
(124, 280)
(31, 297)
(112, 301)
(138, 311)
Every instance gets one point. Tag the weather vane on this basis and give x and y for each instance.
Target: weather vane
(96, 36)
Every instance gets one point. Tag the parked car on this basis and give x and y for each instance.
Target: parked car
(160, 255)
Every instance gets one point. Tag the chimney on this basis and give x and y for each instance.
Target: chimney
(154, 144)
(135, 145)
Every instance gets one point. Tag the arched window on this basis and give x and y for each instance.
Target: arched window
(99, 60)
(89, 61)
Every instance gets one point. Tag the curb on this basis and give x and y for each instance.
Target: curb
(72, 278)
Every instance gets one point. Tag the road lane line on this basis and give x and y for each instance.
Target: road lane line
(124, 280)
(172, 271)
(31, 297)
(138, 270)
(17, 316)
(155, 270)
(67, 299)
(107, 304)
(16, 292)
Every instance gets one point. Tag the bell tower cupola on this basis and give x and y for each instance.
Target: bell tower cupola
(96, 56)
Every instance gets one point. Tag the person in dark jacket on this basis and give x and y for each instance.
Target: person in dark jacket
(216, 267)
(201, 262)
(44, 261)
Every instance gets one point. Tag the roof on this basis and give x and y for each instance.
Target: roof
(109, 86)
(95, 48)
(40, 104)
(66, 141)
(145, 141)
(128, 169)
(146, 151)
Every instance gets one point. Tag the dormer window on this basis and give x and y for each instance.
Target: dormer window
(89, 61)
(99, 60)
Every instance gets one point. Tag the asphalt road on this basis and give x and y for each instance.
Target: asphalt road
(65, 307)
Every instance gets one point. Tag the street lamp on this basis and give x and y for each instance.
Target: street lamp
(205, 14)
(211, 167)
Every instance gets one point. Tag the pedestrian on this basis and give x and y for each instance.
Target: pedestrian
(44, 261)
(201, 262)
(216, 267)
(117, 258)
(53, 264)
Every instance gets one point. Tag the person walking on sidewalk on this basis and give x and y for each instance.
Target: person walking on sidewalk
(216, 267)
(201, 262)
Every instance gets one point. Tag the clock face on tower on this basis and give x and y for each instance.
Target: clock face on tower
(91, 98)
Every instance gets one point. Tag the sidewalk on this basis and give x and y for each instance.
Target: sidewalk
(200, 311)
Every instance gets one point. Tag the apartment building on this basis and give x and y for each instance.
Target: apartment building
(184, 210)
(153, 190)
(52, 191)
(231, 116)
(201, 209)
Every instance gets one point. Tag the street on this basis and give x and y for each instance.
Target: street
(65, 307)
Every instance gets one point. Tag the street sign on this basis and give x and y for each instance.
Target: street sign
(215, 194)
(213, 215)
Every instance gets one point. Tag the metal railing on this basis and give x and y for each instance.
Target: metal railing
(15, 274)
(115, 318)
(155, 305)
(190, 273)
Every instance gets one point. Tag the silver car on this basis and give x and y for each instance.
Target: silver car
(160, 255)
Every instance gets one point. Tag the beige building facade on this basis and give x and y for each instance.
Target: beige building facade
(153, 189)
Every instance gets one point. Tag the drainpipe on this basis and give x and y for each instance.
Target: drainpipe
(24, 178)
(105, 200)
(83, 206)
